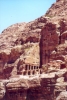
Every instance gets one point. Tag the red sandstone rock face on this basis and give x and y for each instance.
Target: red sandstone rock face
(58, 10)
(19, 45)
(62, 96)
(18, 33)
(13, 38)
(49, 41)
(14, 44)
(39, 87)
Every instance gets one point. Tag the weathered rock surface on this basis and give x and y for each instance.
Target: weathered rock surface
(50, 86)
(20, 47)
(48, 42)
(62, 96)
(20, 42)
(14, 38)
(58, 10)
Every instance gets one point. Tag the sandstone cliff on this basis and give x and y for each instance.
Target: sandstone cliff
(20, 46)
(50, 86)
(20, 42)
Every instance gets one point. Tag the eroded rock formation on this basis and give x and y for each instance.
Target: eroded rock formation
(48, 86)
(24, 74)
(49, 41)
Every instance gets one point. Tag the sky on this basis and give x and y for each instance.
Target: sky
(17, 11)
